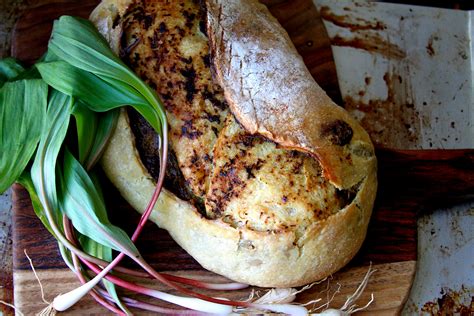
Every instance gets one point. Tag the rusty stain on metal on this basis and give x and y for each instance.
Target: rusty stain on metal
(345, 21)
(429, 47)
(396, 111)
(450, 303)
(371, 42)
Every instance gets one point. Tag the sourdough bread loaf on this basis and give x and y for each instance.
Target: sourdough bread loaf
(282, 180)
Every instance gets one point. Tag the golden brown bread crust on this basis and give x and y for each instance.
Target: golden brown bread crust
(272, 93)
(279, 258)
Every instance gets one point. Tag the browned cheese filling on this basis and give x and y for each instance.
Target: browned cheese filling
(227, 173)
(164, 43)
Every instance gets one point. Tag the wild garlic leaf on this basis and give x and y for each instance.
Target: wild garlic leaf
(43, 171)
(105, 253)
(67, 27)
(10, 68)
(93, 132)
(82, 203)
(87, 122)
(22, 115)
(107, 123)
(86, 127)
(110, 287)
(27, 183)
(67, 256)
(77, 42)
(99, 95)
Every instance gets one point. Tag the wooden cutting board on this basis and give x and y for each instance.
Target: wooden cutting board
(390, 245)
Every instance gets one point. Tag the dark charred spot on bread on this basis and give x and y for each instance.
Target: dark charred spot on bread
(136, 59)
(189, 17)
(219, 104)
(189, 86)
(162, 27)
(248, 140)
(147, 21)
(189, 131)
(116, 21)
(166, 96)
(297, 167)
(232, 185)
(212, 118)
(127, 46)
(337, 132)
(137, 13)
(180, 31)
(202, 27)
(188, 61)
(251, 169)
(202, 16)
(207, 60)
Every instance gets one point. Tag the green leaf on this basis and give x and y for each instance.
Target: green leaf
(93, 132)
(110, 287)
(22, 115)
(89, 88)
(77, 42)
(107, 123)
(100, 95)
(43, 171)
(27, 183)
(105, 253)
(67, 27)
(10, 68)
(83, 204)
(67, 256)
(87, 123)
(33, 73)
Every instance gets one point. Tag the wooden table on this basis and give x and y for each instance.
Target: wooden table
(5, 273)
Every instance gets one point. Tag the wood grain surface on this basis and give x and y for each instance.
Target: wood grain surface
(31, 33)
(391, 240)
(388, 284)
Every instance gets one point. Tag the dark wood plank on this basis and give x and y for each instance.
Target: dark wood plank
(29, 234)
(425, 179)
(31, 33)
